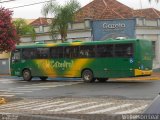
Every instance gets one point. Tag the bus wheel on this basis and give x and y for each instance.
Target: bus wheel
(27, 75)
(87, 76)
(43, 78)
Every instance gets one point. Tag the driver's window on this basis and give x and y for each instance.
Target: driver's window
(16, 55)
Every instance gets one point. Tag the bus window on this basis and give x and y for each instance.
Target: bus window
(87, 51)
(104, 50)
(42, 53)
(29, 53)
(124, 50)
(71, 52)
(16, 55)
(57, 52)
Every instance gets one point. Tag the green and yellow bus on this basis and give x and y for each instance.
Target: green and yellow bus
(99, 60)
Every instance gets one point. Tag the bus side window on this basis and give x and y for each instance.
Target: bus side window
(87, 51)
(16, 55)
(124, 50)
(29, 53)
(71, 52)
(57, 52)
(43, 53)
(104, 50)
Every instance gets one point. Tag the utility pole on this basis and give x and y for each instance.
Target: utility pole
(141, 4)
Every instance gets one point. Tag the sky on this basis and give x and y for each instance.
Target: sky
(34, 11)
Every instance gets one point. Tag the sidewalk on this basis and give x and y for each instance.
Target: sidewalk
(154, 76)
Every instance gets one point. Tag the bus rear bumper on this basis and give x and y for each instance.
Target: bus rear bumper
(138, 72)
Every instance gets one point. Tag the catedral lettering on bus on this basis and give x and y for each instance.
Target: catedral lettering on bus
(96, 60)
(65, 64)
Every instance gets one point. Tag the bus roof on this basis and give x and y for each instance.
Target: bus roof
(77, 43)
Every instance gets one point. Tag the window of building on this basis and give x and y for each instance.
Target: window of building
(41, 29)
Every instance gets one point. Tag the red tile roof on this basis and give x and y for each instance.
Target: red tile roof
(149, 13)
(41, 21)
(112, 9)
(104, 9)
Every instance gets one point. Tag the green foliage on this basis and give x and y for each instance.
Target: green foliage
(63, 14)
(23, 28)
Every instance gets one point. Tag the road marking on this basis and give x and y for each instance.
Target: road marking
(9, 95)
(17, 104)
(64, 104)
(16, 89)
(73, 106)
(32, 105)
(134, 110)
(39, 104)
(90, 107)
(109, 109)
(47, 105)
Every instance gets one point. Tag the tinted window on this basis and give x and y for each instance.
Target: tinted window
(104, 50)
(16, 54)
(87, 51)
(71, 52)
(124, 50)
(29, 53)
(57, 52)
(42, 53)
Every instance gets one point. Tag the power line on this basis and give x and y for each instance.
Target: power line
(28, 5)
(7, 1)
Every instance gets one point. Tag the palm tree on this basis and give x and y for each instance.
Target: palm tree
(23, 28)
(62, 15)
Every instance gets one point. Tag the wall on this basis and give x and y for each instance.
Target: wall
(150, 29)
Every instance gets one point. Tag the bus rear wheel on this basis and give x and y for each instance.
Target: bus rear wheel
(27, 75)
(87, 76)
(43, 78)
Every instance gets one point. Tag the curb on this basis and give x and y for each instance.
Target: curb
(141, 78)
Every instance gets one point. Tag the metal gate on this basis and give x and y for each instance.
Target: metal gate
(4, 66)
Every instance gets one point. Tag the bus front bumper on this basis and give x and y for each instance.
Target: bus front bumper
(138, 72)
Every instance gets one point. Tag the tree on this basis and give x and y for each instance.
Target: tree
(23, 28)
(63, 14)
(8, 35)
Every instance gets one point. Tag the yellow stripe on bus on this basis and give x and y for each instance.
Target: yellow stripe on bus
(79, 64)
(46, 67)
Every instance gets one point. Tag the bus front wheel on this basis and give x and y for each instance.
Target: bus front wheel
(27, 75)
(87, 76)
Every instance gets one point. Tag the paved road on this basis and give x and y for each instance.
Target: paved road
(76, 97)
(51, 88)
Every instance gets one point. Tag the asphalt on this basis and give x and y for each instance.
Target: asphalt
(154, 76)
